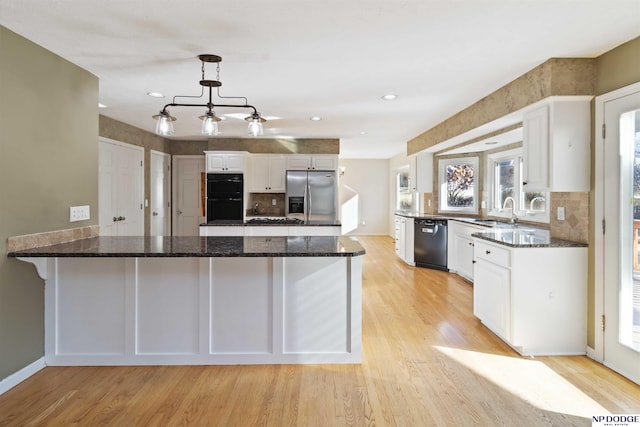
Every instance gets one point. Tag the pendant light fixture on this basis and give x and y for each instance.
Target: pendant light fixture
(164, 127)
(210, 123)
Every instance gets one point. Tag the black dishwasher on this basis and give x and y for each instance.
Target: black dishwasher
(430, 243)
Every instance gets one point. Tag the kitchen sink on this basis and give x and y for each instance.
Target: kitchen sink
(486, 221)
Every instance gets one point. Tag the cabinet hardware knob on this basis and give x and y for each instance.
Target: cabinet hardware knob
(115, 219)
(470, 243)
(524, 182)
(488, 252)
(473, 262)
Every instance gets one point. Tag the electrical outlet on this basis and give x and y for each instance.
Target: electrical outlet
(560, 213)
(274, 202)
(79, 213)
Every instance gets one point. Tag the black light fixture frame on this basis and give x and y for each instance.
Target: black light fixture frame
(210, 105)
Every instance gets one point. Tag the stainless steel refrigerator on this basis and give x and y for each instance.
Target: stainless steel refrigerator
(312, 196)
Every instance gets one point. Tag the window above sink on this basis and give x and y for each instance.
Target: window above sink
(508, 197)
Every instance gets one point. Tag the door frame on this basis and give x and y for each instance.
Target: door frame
(597, 353)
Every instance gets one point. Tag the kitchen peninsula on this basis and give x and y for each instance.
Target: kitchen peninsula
(201, 300)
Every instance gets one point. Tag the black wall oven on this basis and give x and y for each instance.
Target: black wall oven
(224, 197)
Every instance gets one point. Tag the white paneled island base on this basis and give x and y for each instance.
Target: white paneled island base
(202, 310)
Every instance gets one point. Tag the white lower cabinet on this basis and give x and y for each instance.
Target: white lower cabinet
(404, 238)
(221, 230)
(534, 298)
(279, 230)
(266, 231)
(492, 296)
(460, 248)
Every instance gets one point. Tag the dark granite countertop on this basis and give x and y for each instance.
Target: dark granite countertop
(194, 246)
(514, 235)
(525, 238)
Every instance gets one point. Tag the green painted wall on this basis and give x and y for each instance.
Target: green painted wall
(619, 67)
(48, 162)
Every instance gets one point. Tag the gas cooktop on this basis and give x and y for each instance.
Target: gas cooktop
(285, 221)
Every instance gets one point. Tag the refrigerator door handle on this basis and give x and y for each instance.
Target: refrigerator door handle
(308, 210)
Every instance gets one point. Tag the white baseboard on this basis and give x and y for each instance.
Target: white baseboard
(24, 373)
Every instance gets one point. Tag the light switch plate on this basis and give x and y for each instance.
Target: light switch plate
(560, 213)
(79, 213)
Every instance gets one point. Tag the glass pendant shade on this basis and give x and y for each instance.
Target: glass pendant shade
(255, 127)
(164, 125)
(209, 125)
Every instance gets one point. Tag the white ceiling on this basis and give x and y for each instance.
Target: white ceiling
(331, 58)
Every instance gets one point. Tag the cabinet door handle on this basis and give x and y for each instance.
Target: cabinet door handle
(488, 252)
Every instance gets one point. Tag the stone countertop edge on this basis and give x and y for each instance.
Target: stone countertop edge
(194, 246)
(266, 224)
(551, 243)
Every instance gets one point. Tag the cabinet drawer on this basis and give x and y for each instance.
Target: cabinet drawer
(492, 253)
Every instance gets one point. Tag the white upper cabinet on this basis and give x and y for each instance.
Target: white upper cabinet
(223, 161)
(556, 140)
(312, 162)
(268, 174)
(424, 172)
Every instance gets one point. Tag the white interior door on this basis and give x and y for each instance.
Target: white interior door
(107, 203)
(621, 265)
(121, 189)
(160, 197)
(130, 188)
(188, 209)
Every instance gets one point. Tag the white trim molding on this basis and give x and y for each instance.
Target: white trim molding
(24, 373)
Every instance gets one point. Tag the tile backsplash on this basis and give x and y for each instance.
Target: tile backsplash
(28, 241)
(265, 204)
(575, 226)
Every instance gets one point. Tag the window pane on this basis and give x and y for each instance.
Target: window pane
(460, 185)
(505, 174)
(535, 202)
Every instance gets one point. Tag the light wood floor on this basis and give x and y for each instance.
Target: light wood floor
(426, 361)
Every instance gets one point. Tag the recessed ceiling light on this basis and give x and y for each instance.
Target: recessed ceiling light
(155, 94)
(101, 105)
(364, 132)
(390, 97)
(315, 118)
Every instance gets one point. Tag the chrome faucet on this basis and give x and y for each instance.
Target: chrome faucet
(514, 217)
